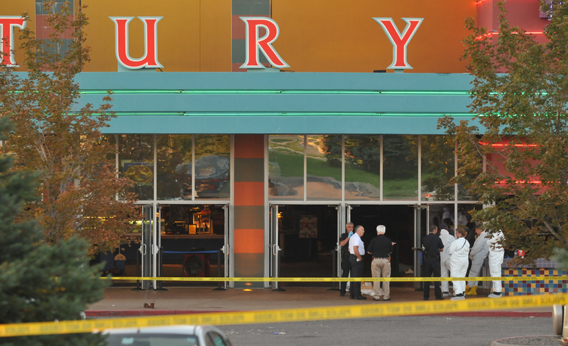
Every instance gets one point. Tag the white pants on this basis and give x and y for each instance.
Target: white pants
(458, 268)
(475, 270)
(445, 273)
(495, 262)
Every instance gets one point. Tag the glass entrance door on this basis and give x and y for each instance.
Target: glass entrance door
(274, 245)
(420, 231)
(146, 244)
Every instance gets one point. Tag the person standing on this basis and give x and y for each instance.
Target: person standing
(432, 245)
(356, 253)
(496, 254)
(459, 251)
(381, 250)
(345, 265)
(447, 240)
(478, 254)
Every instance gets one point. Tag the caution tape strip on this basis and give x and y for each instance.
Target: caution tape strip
(368, 279)
(287, 315)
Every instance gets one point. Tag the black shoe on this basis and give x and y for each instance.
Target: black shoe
(342, 294)
(386, 300)
(351, 297)
(361, 298)
(426, 298)
(439, 298)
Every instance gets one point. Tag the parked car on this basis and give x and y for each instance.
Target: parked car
(168, 336)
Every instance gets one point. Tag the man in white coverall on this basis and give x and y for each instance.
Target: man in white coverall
(496, 254)
(447, 240)
(478, 254)
(459, 251)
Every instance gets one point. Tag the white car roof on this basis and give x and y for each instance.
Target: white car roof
(181, 329)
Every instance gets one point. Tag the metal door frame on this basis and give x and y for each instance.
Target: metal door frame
(225, 249)
(146, 243)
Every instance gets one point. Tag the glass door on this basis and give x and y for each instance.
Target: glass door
(420, 231)
(146, 244)
(226, 249)
(274, 246)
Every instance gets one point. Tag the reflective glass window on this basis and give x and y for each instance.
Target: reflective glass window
(136, 162)
(362, 167)
(286, 167)
(323, 154)
(400, 167)
(463, 193)
(438, 167)
(174, 166)
(212, 166)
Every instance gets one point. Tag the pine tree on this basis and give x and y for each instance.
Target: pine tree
(40, 282)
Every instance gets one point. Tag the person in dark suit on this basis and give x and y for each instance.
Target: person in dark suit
(432, 246)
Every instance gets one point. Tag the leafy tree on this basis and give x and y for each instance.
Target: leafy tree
(39, 282)
(519, 99)
(61, 140)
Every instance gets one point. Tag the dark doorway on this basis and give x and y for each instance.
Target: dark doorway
(399, 221)
(307, 236)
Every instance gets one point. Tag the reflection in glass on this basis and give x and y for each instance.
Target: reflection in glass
(465, 220)
(438, 167)
(362, 167)
(323, 154)
(174, 166)
(286, 167)
(400, 167)
(212, 166)
(136, 158)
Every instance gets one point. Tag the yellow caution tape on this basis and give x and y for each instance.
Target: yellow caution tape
(369, 279)
(288, 315)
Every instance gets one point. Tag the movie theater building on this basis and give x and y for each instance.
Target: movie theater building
(254, 130)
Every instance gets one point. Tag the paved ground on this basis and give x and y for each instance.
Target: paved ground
(396, 331)
(205, 299)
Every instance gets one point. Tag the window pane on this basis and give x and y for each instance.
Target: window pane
(136, 157)
(174, 166)
(286, 167)
(438, 167)
(442, 215)
(324, 167)
(362, 167)
(212, 166)
(400, 166)
(465, 194)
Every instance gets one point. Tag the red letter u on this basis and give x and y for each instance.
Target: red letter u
(150, 58)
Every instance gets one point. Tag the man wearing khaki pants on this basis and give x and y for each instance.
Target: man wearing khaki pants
(381, 249)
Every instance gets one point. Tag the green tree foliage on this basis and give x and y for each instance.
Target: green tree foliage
(39, 282)
(519, 99)
(62, 140)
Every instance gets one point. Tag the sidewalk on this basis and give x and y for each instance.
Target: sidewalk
(184, 300)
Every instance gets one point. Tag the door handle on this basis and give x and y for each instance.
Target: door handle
(274, 249)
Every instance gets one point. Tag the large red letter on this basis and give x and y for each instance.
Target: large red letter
(399, 41)
(150, 58)
(254, 42)
(7, 24)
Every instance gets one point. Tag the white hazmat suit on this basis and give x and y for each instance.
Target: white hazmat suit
(496, 254)
(447, 240)
(459, 252)
(478, 254)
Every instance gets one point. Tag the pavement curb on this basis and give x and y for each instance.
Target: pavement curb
(134, 313)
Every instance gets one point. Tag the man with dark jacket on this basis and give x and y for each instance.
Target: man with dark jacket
(381, 250)
(432, 246)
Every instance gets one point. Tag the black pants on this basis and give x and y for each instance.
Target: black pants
(432, 266)
(345, 269)
(356, 272)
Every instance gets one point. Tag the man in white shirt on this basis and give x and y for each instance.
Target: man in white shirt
(356, 252)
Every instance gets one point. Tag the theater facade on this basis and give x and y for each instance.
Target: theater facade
(255, 130)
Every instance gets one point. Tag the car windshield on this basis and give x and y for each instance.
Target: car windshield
(151, 340)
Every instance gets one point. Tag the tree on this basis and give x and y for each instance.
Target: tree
(519, 101)
(39, 282)
(62, 141)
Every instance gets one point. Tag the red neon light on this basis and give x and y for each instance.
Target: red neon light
(480, 2)
(489, 34)
(501, 145)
